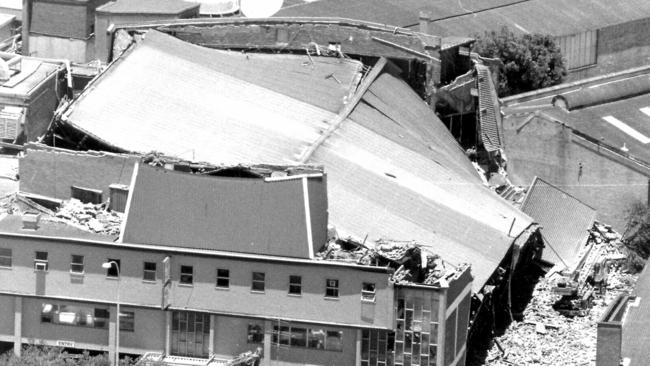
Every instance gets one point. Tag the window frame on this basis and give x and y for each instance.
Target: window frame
(186, 278)
(295, 282)
(368, 295)
(255, 333)
(41, 262)
(223, 277)
(8, 257)
(258, 281)
(127, 320)
(73, 264)
(117, 271)
(149, 271)
(331, 291)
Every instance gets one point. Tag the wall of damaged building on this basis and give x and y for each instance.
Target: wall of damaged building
(547, 149)
(202, 292)
(6, 318)
(43, 102)
(51, 172)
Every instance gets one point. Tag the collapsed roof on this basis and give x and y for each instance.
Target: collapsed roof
(394, 171)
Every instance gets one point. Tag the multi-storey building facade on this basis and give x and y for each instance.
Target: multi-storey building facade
(228, 295)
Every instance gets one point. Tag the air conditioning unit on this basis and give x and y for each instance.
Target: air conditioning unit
(40, 266)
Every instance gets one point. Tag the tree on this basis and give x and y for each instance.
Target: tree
(531, 61)
(55, 356)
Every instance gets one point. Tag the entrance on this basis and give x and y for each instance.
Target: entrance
(190, 334)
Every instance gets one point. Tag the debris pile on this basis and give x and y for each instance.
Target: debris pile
(545, 336)
(411, 262)
(93, 217)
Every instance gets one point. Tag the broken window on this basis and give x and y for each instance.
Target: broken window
(149, 271)
(255, 333)
(5, 257)
(187, 275)
(114, 270)
(223, 278)
(77, 264)
(295, 285)
(368, 291)
(331, 288)
(40, 261)
(258, 282)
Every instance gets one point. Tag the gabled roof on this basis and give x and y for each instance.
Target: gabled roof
(394, 170)
(564, 219)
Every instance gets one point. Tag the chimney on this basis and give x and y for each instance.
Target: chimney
(30, 220)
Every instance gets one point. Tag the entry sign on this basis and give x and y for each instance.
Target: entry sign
(69, 344)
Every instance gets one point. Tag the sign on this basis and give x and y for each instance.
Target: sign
(167, 269)
(61, 343)
(167, 283)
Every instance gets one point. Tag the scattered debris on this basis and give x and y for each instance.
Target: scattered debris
(546, 336)
(92, 217)
(412, 262)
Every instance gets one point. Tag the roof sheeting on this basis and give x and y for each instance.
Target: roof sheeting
(172, 92)
(403, 13)
(555, 17)
(565, 220)
(219, 213)
(394, 171)
(489, 113)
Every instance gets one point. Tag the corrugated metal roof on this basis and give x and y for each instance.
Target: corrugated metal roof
(187, 99)
(402, 13)
(219, 213)
(555, 17)
(489, 113)
(394, 170)
(146, 7)
(565, 220)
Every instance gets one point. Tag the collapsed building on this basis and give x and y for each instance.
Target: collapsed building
(396, 178)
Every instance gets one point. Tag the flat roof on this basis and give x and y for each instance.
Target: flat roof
(32, 72)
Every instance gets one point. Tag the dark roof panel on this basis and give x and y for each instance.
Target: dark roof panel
(565, 220)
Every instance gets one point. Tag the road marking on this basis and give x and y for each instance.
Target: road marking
(645, 110)
(627, 129)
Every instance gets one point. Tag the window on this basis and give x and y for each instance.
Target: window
(187, 275)
(74, 315)
(114, 269)
(333, 342)
(298, 337)
(149, 272)
(40, 261)
(255, 333)
(223, 278)
(190, 334)
(368, 291)
(5, 257)
(332, 288)
(127, 321)
(295, 285)
(258, 282)
(77, 264)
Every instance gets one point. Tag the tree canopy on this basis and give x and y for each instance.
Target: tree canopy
(531, 61)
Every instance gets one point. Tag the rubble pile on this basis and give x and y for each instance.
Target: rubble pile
(412, 263)
(93, 217)
(545, 336)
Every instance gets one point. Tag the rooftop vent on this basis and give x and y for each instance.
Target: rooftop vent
(30, 220)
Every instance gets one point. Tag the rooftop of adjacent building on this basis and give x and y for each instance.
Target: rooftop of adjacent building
(451, 17)
(613, 109)
(26, 73)
(158, 7)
